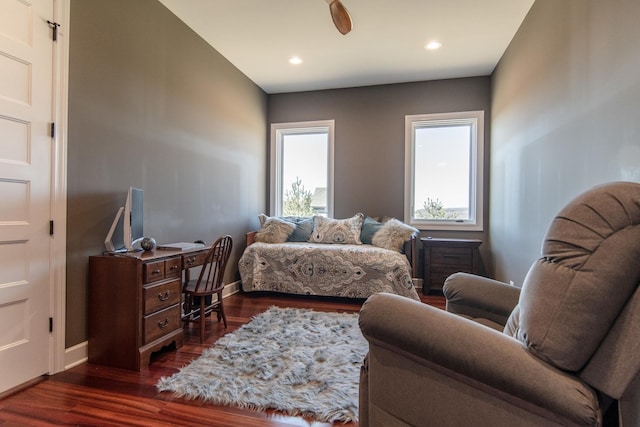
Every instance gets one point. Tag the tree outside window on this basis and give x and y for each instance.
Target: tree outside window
(297, 200)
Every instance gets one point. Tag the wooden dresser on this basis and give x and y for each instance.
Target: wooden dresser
(443, 257)
(135, 305)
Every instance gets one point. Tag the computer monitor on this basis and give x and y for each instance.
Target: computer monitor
(127, 228)
(133, 218)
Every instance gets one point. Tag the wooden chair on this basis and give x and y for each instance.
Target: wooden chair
(198, 293)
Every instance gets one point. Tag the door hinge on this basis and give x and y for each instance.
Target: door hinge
(51, 228)
(53, 130)
(54, 26)
(50, 324)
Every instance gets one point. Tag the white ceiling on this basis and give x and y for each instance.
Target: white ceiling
(386, 44)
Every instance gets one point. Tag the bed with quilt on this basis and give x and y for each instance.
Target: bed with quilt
(352, 258)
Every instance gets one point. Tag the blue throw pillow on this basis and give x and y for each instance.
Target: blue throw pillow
(369, 228)
(304, 227)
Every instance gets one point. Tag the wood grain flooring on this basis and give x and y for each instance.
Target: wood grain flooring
(91, 395)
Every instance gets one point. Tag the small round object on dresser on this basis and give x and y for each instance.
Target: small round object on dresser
(148, 243)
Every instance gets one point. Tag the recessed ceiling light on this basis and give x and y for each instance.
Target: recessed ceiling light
(295, 60)
(433, 45)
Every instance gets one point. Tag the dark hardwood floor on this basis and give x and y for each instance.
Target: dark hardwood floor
(90, 395)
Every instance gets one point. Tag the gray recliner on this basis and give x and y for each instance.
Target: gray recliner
(563, 350)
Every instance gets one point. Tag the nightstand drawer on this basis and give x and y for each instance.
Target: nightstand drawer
(161, 323)
(460, 257)
(162, 295)
(444, 257)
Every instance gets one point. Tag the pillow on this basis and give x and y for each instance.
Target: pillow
(303, 226)
(262, 218)
(275, 230)
(370, 227)
(344, 231)
(393, 234)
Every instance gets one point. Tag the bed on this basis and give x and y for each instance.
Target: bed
(323, 267)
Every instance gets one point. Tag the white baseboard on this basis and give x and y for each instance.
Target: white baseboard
(76, 355)
(79, 353)
(231, 288)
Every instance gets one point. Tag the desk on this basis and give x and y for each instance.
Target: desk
(135, 304)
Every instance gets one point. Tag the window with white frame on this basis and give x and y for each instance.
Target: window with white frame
(444, 170)
(302, 168)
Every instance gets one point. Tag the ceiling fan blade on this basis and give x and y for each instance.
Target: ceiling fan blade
(340, 16)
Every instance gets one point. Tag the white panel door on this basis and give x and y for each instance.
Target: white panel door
(26, 55)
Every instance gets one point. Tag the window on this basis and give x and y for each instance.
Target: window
(302, 168)
(444, 170)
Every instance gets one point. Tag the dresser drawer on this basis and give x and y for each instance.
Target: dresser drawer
(194, 260)
(459, 257)
(173, 267)
(161, 295)
(163, 269)
(153, 271)
(158, 324)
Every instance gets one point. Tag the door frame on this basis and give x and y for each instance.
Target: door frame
(58, 242)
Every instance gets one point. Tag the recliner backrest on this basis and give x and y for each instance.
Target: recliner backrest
(590, 268)
(616, 363)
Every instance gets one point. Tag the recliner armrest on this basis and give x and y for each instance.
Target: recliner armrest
(475, 297)
(465, 351)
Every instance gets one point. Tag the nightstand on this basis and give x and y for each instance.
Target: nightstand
(443, 257)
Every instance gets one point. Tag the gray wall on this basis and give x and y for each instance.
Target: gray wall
(153, 106)
(565, 117)
(369, 137)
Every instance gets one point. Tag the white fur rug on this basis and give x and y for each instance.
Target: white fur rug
(298, 361)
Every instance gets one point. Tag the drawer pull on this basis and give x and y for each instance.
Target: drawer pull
(155, 272)
(164, 324)
(190, 261)
(163, 297)
(174, 267)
